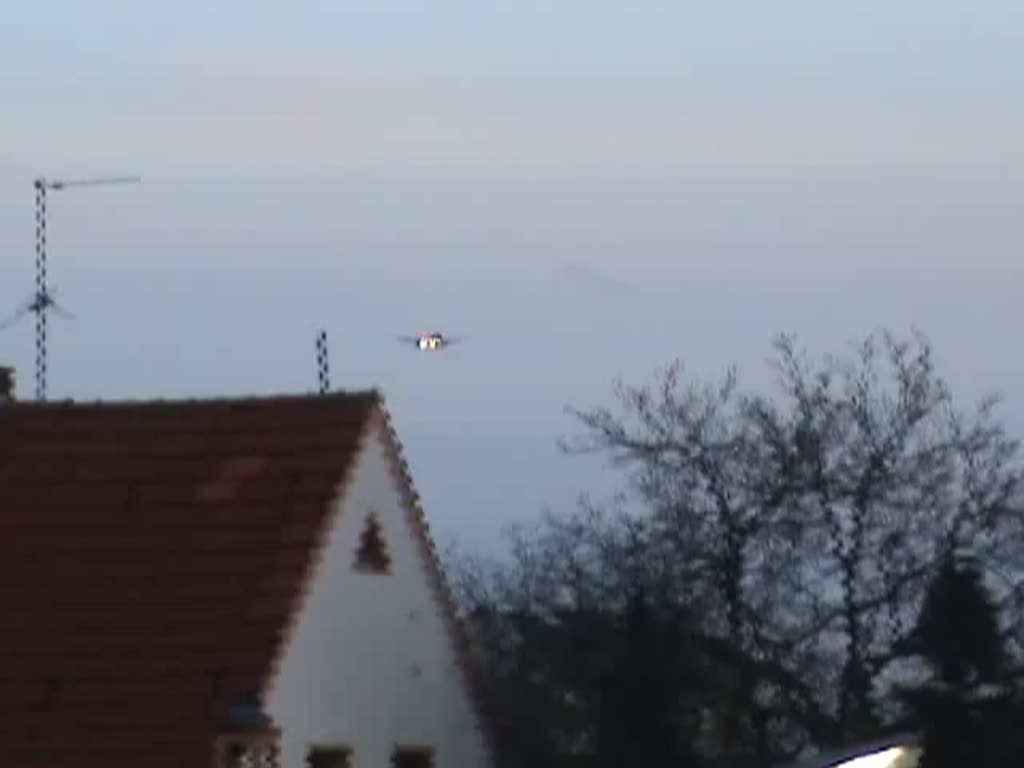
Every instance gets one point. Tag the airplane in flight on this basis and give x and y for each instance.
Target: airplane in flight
(430, 341)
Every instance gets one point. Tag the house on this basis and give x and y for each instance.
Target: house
(220, 583)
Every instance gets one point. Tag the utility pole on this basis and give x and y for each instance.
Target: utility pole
(43, 300)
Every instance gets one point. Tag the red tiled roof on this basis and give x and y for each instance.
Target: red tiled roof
(152, 557)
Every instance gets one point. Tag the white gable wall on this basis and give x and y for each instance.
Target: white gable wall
(350, 673)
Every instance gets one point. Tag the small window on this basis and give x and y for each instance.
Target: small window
(335, 756)
(372, 554)
(412, 757)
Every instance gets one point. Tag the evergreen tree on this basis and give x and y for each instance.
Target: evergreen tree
(958, 635)
(959, 627)
(640, 719)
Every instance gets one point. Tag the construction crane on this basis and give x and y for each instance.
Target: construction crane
(43, 301)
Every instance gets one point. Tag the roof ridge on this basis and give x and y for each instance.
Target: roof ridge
(373, 393)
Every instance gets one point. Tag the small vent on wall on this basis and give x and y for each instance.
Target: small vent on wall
(412, 757)
(372, 554)
(334, 756)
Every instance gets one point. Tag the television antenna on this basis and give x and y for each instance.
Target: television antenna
(44, 299)
(323, 373)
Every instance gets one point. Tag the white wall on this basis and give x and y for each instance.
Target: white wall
(347, 675)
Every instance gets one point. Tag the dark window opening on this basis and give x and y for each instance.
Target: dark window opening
(372, 555)
(329, 757)
(412, 757)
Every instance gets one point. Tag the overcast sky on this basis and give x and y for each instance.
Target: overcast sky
(584, 189)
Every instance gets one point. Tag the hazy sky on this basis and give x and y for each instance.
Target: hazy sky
(584, 189)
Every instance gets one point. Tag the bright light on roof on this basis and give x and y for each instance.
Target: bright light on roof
(886, 758)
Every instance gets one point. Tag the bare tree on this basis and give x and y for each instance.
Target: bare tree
(892, 478)
(792, 535)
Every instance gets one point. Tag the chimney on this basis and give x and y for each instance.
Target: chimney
(6, 384)
(249, 738)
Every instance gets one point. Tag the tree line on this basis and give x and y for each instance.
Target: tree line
(830, 562)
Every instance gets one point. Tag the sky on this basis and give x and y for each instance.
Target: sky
(584, 190)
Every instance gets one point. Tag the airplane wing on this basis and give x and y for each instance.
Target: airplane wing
(452, 340)
(408, 340)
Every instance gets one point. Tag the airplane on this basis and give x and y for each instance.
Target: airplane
(430, 341)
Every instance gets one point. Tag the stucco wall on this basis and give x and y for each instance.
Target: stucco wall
(350, 673)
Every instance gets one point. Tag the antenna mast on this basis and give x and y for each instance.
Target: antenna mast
(43, 300)
(321, 363)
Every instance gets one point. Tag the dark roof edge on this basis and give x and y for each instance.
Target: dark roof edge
(373, 395)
